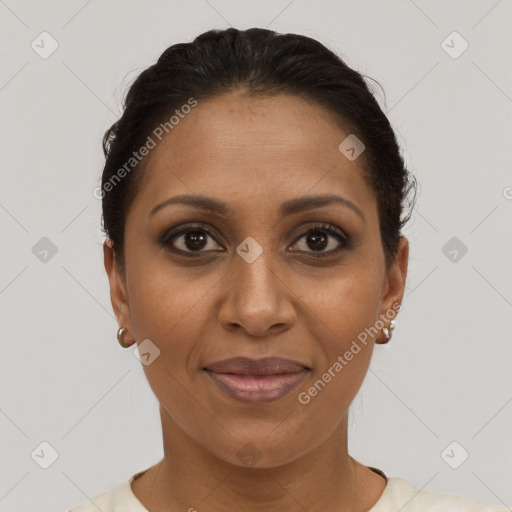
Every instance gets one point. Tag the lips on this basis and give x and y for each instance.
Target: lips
(256, 381)
(265, 366)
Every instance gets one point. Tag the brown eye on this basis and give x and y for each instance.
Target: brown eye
(317, 240)
(189, 240)
(195, 240)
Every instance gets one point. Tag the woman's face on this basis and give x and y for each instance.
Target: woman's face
(259, 282)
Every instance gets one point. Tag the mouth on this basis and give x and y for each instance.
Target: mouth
(257, 381)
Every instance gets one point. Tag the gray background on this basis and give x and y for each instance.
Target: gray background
(446, 374)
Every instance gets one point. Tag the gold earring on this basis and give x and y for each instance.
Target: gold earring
(388, 331)
(120, 337)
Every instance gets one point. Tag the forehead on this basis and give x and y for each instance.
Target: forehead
(260, 149)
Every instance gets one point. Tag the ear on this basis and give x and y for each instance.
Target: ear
(118, 295)
(394, 285)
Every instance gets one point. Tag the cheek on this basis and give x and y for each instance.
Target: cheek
(168, 313)
(162, 302)
(171, 319)
(341, 307)
(340, 318)
(345, 351)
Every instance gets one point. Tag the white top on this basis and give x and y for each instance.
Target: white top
(398, 495)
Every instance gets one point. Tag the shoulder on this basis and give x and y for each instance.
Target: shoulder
(118, 499)
(103, 502)
(401, 495)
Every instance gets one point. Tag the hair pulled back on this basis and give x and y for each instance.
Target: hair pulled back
(259, 62)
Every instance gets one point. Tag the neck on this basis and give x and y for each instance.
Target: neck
(191, 478)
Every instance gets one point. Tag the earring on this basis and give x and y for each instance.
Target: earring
(120, 337)
(388, 331)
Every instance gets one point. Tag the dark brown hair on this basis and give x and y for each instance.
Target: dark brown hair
(259, 62)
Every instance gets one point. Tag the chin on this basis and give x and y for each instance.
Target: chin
(260, 451)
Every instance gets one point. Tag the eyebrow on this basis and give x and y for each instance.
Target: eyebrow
(289, 207)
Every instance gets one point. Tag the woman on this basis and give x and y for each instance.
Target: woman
(253, 195)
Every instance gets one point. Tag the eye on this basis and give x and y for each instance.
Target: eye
(318, 239)
(194, 239)
(189, 239)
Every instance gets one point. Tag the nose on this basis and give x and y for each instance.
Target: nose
(256, 298)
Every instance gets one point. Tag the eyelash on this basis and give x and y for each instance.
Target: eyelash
(326, 228)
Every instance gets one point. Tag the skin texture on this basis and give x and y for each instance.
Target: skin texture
(254, 154)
